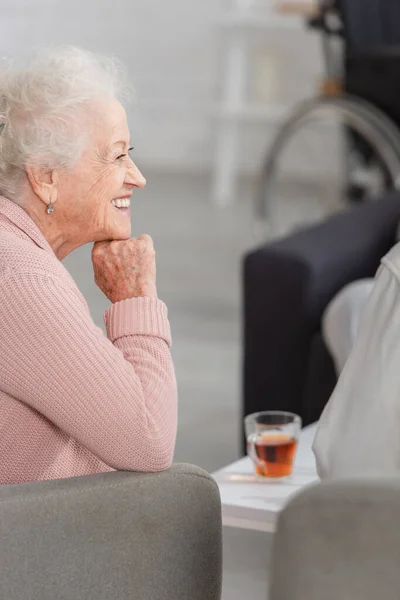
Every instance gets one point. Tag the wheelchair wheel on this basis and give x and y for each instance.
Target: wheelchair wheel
(348, 152)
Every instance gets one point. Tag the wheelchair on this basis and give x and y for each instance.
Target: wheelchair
(360, 98)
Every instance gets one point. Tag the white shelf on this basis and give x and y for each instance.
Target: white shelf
(234, 108)
(251, 113)
(251, 20)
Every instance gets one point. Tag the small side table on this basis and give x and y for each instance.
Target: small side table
(248, 503)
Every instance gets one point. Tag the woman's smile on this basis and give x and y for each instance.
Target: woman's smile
(122, 205)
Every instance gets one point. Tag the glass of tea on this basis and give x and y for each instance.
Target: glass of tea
(272, 441)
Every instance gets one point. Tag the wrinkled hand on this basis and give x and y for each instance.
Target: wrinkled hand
(125, 268)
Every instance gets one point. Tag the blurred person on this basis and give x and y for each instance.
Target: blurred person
(341, 318)
(72, 400)
(359, 430)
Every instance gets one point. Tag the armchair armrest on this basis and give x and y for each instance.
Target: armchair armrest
(112, 536)
(287, 285)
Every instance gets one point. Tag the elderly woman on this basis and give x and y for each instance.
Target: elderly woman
(72, 400)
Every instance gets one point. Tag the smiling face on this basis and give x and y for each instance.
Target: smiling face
(104, 177)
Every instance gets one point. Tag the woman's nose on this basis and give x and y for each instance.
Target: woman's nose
(134, 177)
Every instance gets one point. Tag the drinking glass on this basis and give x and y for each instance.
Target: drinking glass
(272, 441)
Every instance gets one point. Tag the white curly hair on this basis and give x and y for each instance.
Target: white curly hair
(40, 106)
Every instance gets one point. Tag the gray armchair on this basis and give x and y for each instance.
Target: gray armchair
(113, 536)
(340, 541)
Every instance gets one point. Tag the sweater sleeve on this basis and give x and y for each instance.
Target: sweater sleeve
(115, 395)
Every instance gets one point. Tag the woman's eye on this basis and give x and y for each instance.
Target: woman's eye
(124, 155)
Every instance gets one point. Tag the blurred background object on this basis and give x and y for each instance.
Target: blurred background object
(349, 132)
(253, 81)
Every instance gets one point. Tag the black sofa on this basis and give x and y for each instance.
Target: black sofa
(287, 285)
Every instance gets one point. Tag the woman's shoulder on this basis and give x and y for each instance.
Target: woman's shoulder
(19, 255)
(22, 262)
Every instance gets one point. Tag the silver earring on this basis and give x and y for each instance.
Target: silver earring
(50, 208)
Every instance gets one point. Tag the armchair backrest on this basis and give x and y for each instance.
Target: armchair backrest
(113, 536)
(340, 540)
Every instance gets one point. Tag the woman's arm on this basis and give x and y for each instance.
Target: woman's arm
(117, 396)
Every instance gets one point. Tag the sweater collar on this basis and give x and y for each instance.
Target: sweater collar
(21, 220)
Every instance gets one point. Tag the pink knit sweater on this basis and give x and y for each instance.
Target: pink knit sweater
(73, 401)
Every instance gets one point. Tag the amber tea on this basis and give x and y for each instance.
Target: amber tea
(272, 452)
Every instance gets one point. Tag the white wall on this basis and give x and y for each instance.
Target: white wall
(173, 50)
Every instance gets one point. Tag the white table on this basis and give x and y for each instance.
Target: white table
(252, 504)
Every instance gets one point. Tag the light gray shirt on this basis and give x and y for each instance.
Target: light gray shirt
(359, 430)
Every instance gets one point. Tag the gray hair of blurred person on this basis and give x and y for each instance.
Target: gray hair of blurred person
(41, 110)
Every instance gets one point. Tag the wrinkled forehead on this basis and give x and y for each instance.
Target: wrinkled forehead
(108, 123)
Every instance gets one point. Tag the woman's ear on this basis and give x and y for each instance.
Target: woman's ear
(44, 182)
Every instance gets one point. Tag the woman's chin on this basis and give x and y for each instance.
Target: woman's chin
(122, 234)
(121, 226)
(117, 233)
